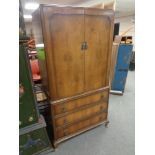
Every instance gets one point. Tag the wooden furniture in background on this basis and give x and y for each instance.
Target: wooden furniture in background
(115, 47)
(106, 5)
(122, 65)
(78, 45)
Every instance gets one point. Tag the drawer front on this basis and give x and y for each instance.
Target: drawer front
(60, 108)
(62, 132)
(81, 114)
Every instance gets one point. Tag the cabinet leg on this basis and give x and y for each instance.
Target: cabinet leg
(55, 145)
(106, 124)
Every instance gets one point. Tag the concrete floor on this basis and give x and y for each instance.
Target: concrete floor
(118, 138)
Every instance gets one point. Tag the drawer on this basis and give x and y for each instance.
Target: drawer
(81, 114)
(59, 108)
(81, 126)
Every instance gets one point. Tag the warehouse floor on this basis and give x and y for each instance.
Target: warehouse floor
(118, 138)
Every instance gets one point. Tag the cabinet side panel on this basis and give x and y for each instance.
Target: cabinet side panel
(111, 27)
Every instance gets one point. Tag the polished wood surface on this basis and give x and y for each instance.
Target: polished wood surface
(97, 36)
(77, 110)
(68, 58)
(88, 93)
(80, 126)
(82, 70)
(113, 61)
(63, 50)
(78, 44)
(115, 47)
(78, 103)
(81, 114)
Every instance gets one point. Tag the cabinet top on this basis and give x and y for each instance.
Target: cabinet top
(71, 6)
(66, 9)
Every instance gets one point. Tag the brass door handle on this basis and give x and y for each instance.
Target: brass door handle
(63, 108)
(101, 108)
(65, 120)
(65, 132)
(100, 118)
(84, 45)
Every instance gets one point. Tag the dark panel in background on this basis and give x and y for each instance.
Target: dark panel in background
(116, 29)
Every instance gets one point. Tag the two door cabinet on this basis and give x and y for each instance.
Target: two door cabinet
(77, 43)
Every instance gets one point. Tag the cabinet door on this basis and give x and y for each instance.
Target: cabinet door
(65, 59)
(98, 35)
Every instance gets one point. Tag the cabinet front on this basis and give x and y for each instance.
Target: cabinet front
(65, 54)
(78, 46)
(98, 38)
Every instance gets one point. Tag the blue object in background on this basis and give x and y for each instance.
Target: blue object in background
(121, 68)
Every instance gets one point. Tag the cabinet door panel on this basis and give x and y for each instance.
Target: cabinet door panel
(67, 34)
(98, 37)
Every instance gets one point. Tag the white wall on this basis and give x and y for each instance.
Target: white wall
(28, 26)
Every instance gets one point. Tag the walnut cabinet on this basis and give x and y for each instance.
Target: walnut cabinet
(77, 43)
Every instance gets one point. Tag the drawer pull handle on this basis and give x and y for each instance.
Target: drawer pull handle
(65, 132)
(65, 121)
(102, 96)
(100, 118)
(101, 107)
(63, 109)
